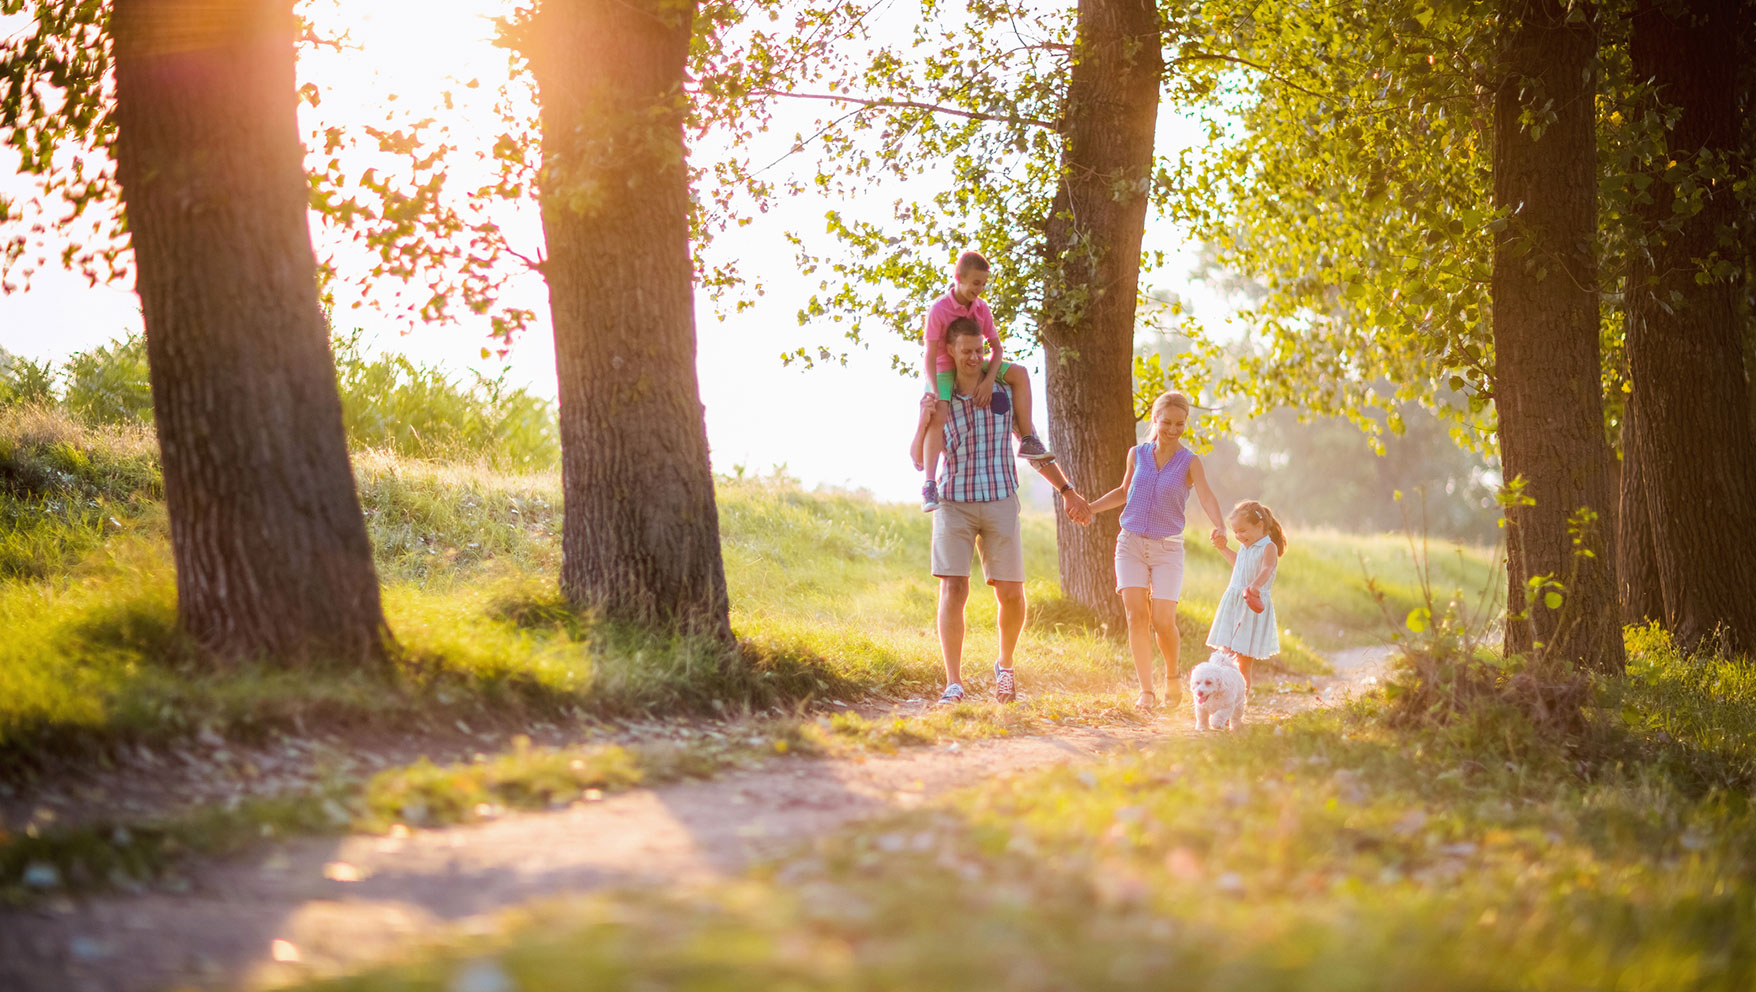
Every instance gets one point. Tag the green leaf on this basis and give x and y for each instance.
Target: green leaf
(1418, 619)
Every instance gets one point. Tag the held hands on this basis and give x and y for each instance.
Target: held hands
(1218, 537)
(1078, 510)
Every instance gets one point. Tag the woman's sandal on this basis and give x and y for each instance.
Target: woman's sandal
(1146, 700)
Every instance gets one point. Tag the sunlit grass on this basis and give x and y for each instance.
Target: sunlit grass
(1329, 852)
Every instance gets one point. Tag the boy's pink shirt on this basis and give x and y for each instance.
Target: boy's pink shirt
(945, 310)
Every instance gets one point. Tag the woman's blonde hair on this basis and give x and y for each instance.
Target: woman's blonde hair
(1263, 515)
(1165, 400)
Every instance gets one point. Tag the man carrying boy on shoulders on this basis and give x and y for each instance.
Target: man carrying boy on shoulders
(978, 511)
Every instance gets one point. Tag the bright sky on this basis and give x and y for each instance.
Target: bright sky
(833, 425)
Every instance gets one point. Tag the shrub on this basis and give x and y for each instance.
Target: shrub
(110, 384)
(417, 411)
(24, 382)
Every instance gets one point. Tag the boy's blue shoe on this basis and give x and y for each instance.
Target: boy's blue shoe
(930, 497)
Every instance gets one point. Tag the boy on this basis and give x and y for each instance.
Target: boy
(965, 300)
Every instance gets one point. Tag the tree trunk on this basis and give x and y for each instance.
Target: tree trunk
(1745, 106)
(640, 535)
(1685, 352)
(1545, 314)
(272, 555)
(1638, 583)
(1092, 242)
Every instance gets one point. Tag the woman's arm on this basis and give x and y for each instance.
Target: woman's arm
(1270, 555)
(1119, 495)
(1204, 493)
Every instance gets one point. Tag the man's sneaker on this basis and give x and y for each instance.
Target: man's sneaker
(1031, 448)
(1005, 686)
(952, 695)
(930, 497)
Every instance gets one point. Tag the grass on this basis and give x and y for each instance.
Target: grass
(1336, 851)
(829, 597)
(65, 488)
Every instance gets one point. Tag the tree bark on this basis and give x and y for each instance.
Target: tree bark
(1545, 314)
(1693, 440)
(273, 561)
(1638, 583)
(640, 533)
(1092, 243)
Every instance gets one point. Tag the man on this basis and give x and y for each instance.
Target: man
(978, 511)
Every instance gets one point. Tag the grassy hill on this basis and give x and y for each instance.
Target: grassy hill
(830, 596)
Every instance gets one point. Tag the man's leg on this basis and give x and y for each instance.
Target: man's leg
(1002, 549)
(1010, 595)
(953, 594)
(954, 537)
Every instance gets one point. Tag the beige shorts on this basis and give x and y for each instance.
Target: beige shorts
(961, 529)
(1150, 563)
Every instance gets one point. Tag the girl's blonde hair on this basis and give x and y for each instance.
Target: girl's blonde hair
(1263, 515)
(1165, 400)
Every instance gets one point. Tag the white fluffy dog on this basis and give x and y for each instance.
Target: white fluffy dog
(1218, 688)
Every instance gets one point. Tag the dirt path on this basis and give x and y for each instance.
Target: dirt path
(345, 901)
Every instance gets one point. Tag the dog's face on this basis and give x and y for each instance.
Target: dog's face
(1213, 680)
(1204, 685)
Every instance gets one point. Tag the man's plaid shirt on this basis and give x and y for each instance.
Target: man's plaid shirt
(978, 463)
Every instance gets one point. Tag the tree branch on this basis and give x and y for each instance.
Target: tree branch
(1259, 67)
(907, 104)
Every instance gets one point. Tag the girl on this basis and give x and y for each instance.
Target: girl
(1156, 480)
(1244, 621)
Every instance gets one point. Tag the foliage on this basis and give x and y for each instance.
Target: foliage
(109, 384)
(418, 411)
(24, 382)
(389, 403)
(55, 114)
(970, 103)
(1357, 192)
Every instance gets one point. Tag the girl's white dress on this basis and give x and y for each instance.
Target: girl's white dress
(1236, 626)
